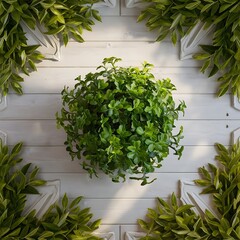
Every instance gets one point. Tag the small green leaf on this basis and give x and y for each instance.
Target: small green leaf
(75, 202)
(96, 15)
(176, 21)
(142, 16)
(201, 56)
(223, 88)
(38, 182)
(184, 208)
(140, 130)
(143, 224)
(25, 168)
(46, 234)
(174, 37)
(237, 55)
(55, 30)
(193, 5)
(65, 201)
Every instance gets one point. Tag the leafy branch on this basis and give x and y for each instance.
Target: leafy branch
(66, 18)
(177, 18)
(62, 221)
(173, 220)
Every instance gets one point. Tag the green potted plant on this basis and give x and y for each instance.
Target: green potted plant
(173, 220)
(121, 120)
(61, 221)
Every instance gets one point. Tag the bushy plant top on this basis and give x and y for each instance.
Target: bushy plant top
(61, 221)
(67, 18)
(121, 120)
(177, 18)
(174, 220)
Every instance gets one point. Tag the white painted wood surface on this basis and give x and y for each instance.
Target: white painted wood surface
(53, 79)
(44, 106)
(31, 118)
(45, 132)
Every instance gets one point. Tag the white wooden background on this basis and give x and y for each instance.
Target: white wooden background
(31, 118)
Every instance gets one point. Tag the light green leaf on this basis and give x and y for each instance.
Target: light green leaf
(65, 201)
(55, 30)
(193, 5)
(176, 21)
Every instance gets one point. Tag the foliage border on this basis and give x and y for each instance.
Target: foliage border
(174, 220)
(176, 18)
(66, 19)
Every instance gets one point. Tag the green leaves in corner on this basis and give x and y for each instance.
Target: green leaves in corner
(177, 18)
(178, 221)
(223, 183)
(65, 18)
(65, 221)
(68, 221)
(171, 221)
(121, 120)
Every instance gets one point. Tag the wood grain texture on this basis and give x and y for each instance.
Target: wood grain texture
(45, 132)
(45, 106)
(55, 159)
(53, 79)
(125, 30)
(90, 54)
(76, 184)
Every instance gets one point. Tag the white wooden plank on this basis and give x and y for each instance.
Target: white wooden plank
(126, 11)
(32, 132)
(32, 106)
(75, 184)
(126, 211)
(130, 228)
(120, 211)
(44, 106)
(110, 232)
(44, 132)
(207, 132)
(90, 54)
(122, 29)
(52, 80)
(56, 159)
(109, 10)
(205, 106)
(3, 102)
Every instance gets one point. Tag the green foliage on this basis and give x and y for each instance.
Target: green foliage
(178, 221)
(172, 221)
(65, 221)
(63, 17)
(224, 184)
(121, 120)
(177, 18)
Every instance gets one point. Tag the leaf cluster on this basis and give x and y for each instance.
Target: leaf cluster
(179, 221)
(65, 18)
(65, 221)
(172, 221)
(177, 18)
(121, 120)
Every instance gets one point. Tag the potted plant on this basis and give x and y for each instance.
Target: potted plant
(121, 120)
